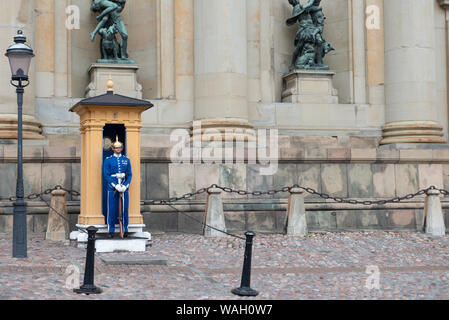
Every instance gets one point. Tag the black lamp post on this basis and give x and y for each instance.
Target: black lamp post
(19, 55)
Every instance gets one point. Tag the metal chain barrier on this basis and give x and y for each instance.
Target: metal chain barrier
(169, 202)
(185, 197)
(58, 213)
(35, 196)
(189, 195)
(367, 202)
(244, 289)
(202, 223)
(336, 199)
(175, 199)
(287, 189)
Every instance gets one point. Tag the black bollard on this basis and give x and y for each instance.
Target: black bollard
(245, 286)
(88, 286)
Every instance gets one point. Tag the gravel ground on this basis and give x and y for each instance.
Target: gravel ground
(318, 266)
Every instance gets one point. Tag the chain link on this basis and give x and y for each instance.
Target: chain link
(201, 222)
(175, 199)
(370, 202)
(306, 189)
(58, 213)
(240, 192)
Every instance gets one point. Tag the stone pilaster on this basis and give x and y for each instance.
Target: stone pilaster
(221, 65)
(184, 51)
(61, 54)
(410, 73)
(17, 15)
(445, 5)
(375, 55)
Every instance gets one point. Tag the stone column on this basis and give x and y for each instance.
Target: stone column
(359, 51)
(167, 48)
(267, 44)
(14, 16)
(221, 67)
(410, 73)
(445, 5)
(61, 49)
(375, 53)
(184, 50)
(45, 48)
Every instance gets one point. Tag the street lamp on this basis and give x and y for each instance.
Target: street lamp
(19, 55)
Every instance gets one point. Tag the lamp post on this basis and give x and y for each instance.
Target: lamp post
(19, 55)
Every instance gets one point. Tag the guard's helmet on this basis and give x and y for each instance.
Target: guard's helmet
(117, 144)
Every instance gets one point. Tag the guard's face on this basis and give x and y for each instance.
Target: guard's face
(117, 150)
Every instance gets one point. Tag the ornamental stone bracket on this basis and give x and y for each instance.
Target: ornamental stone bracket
(444, 3)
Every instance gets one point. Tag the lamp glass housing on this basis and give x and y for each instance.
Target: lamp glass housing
(19, 55)
(20, 64)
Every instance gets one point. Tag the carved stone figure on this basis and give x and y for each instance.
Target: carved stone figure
(110, 21)
(310, 45)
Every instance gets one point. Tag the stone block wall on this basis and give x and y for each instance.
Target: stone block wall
(343, 167)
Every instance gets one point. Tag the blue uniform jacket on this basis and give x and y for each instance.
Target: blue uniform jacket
(113, 165)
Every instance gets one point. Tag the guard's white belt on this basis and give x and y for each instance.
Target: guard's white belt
(118, 175)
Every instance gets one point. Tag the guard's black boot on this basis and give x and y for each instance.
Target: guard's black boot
(111, 235)
(125, 235)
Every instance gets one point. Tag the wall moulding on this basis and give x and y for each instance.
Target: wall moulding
(444, 3)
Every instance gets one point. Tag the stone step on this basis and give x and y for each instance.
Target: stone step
(131, 244)
(133, 259)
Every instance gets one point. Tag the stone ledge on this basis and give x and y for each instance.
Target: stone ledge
(155, 154)
(133, 260)
(363, 155)
(415, 155)
(30, 153)
(391, 156)
(290, 152)
(339, 154)
(59, 154)
(440, 155)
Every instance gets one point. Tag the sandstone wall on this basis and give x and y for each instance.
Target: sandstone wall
(342, 167)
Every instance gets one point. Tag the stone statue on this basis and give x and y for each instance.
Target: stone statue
(109, 24)
(109, 44)
(310, 45)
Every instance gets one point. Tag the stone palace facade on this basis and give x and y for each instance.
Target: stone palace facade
(377, 130)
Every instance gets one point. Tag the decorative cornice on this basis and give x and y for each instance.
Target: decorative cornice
(444, 4)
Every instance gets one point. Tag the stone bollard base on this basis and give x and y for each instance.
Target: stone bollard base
(434, 223)
(214, 214)
(296, 214)
(58, 222)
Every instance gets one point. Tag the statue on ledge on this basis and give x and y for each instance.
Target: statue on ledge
(310, 45)
(109, 24)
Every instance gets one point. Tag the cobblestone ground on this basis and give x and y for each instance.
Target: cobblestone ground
(319, 266)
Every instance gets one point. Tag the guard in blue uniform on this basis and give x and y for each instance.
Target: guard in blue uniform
(117, 174)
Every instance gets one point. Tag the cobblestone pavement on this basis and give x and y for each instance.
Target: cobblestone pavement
(318, 266)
